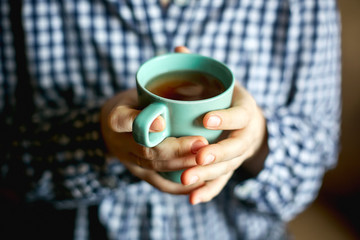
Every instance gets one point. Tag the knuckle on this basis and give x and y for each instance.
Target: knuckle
(218, 152)
(166, 149)
(116, 120)
(147, 164)
(147, 153)
(177, 150)
(138, 161)
(113, 122)
(155, 165)
(177, 146)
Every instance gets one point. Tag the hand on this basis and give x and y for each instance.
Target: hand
(245, 142)
(206, 175)
(117, 117)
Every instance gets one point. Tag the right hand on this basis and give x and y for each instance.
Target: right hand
(117, 116)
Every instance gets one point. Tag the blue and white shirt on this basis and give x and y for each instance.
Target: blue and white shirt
(286, 53)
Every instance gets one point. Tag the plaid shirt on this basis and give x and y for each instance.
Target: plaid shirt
(81, 52)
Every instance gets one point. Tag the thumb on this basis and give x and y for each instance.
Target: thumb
(122, 118)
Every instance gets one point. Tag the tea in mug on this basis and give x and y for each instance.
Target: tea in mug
(186, 85)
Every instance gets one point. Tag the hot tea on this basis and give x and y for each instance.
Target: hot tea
(186, 85)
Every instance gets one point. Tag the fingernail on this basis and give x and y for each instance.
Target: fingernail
(196, 146)
(193, 179)
(156, 125)
(209, 159)
(213, 121)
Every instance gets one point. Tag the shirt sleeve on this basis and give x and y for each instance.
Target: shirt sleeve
(303, 132)
(58, 152)
(60, 157)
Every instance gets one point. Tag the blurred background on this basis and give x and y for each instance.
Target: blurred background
(336, 212)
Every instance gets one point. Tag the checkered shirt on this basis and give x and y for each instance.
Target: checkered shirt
(286, 53)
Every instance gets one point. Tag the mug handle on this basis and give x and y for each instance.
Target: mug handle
(142, 123)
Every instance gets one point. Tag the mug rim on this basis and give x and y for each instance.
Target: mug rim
(157, 58)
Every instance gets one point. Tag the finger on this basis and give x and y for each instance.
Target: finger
(163, 165)
(159, 182)
(158, 124)
(209, 190)
(182, 49)
(172, 154)
(170, 148)
(210, 172)
(237, 144)
(236, 117)
(122, 118)
(177, 147)
(229, 119)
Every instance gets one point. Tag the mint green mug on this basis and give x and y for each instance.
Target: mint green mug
(183, 118)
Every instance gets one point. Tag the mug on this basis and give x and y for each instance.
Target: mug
(183, 118)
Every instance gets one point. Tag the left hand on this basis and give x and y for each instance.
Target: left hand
(217, 162)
